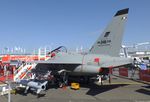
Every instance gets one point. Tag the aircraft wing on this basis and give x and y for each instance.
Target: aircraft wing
(58, 64)
(62, 61)
(63, 58)
(117, 63)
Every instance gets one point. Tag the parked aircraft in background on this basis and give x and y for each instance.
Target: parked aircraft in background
(104, 54)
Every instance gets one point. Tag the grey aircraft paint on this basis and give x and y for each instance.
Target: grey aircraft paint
(109, 43)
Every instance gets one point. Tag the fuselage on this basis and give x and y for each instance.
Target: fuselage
(82, 64)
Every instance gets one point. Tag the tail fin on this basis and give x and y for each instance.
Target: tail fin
(109, 43)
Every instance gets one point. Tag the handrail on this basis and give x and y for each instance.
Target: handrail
(23, 72)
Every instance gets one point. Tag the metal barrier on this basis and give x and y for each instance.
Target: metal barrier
(123, 72)
(144, 75)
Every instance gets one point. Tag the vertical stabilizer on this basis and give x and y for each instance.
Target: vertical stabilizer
(109, 43)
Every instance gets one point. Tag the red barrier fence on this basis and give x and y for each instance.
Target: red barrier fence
(4, 78)
(123, 72)
(144, 75)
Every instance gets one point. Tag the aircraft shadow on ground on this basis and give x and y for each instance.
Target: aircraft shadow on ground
(148, 87)
(144, 91)
(95, 89)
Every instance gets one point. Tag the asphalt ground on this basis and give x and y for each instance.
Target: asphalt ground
(120, 90)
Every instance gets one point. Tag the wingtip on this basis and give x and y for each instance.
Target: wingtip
(121, 12)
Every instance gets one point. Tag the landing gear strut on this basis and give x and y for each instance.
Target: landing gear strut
(63, 79)
(100, 78)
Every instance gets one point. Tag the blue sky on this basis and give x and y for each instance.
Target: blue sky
(35, 23)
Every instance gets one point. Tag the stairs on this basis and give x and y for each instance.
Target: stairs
(22, 71)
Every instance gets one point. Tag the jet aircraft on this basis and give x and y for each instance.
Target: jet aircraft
(104, 54)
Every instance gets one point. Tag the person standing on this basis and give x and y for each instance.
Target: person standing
(5, 70)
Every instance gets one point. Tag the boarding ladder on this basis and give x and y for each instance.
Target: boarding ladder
(22, 71)
(25, 68)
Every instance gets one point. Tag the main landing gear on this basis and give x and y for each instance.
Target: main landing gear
(101, 78)
(63, 78)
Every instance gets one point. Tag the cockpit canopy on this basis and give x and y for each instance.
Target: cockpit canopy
(59, 49)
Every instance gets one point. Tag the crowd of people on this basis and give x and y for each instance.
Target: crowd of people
(6, 68)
